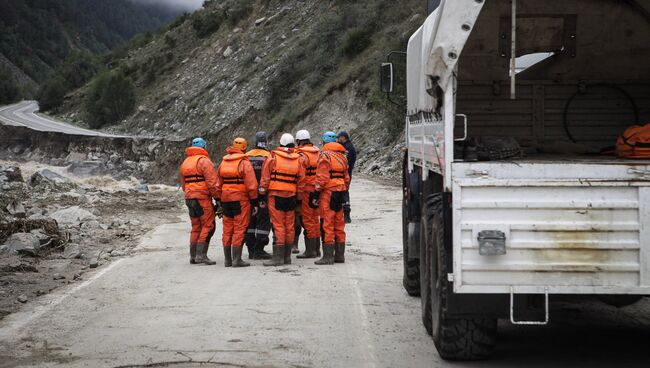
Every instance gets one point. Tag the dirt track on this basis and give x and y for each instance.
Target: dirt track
(154, 309)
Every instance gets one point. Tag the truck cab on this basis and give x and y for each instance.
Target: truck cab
(513, 194)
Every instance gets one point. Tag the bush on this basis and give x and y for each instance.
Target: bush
(76, 71)
(9, 91)
(356, 41)
(207, 23)
(240, 10)
(111, 98)
(51, 93)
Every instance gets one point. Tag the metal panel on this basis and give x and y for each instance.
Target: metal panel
(572, 236)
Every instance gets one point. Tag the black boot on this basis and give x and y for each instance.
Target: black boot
(192, 253)
(198, 259)
(206, 260)
(278, 257)
(236, 257)
(227, 256)
(346, 216)
(294, 247)
(328, 255)
(260, 253)
(310, 248)
(339, 253)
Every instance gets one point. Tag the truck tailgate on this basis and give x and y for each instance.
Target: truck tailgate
(574, 228)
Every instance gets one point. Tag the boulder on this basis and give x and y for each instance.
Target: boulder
(17, 209)
(47, 176)
(43, 237)
(22, 243)
(87, 168)
(72, 215)
(12, 174)
(71, 251)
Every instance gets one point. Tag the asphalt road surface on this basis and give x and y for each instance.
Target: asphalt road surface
(24, 114)
(155, 310)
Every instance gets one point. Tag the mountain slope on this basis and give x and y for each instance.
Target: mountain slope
(241, 66)
(37, 35)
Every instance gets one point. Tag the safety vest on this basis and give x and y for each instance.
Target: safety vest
(312, 154)
(229, 172)
(257, 157)
(284, 176)
(338, 168)
(194, 181)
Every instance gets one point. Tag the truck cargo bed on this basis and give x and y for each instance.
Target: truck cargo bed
(573, 225)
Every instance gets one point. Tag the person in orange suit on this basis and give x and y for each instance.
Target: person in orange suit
(332, 181)
(199, 182)
(237, 193)
(281, 175)
(310, 216)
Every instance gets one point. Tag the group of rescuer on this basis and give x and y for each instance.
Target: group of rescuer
(292, 188)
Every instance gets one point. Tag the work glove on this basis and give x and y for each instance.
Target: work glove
(255, 206)
(218, 210)
(314, 199)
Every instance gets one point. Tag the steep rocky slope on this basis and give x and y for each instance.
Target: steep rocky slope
(275, 66)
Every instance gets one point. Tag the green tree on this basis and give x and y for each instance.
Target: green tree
(111, 98)
(51, 93)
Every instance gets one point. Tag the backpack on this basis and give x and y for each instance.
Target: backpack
(634, 142)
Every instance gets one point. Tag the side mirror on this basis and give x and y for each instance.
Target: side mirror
(386, 77)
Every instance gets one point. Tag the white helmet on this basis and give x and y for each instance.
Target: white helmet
(303, 135)
(286, 140)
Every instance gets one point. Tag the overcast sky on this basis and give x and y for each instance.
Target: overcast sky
(178, 4)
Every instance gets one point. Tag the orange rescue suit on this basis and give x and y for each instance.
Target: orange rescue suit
(310, 216)
(236, 182)
(282, 176)
(199, 182)
(332, 176)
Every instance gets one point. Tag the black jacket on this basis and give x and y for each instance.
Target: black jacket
(352, 155)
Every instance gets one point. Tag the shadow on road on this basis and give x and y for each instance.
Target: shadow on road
(588, 334)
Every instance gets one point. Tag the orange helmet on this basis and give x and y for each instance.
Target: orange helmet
(240, 143)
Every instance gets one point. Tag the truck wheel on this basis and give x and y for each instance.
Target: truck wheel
(455, 338)
(425, 273)
(411, 278)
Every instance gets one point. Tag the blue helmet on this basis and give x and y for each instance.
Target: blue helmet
(198, 142)
(329, 137)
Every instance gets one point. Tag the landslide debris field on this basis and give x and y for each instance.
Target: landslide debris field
(57, 222)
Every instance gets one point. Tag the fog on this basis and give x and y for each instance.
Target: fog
(175, 4)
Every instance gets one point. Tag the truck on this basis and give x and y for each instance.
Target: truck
(511, 198)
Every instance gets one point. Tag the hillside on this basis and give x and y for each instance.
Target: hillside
(38, 35)
(240, 66)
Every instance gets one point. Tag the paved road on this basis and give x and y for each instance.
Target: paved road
(24, 114)
(155, 310)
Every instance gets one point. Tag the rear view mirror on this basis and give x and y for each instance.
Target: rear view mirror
(386, 77)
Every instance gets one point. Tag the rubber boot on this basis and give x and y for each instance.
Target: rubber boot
(288, 250)
(346, 216)
(206, 260)
(236, 257)
(328, 255)
(310, 248)
(260, 253)
(294, 247)
(198, 259)
(278, 257)
(227, 256)
(192, 253)
(339, 253)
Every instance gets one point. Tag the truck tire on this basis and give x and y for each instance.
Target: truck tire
(425, 273)
(455, 338)
(411, 278)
